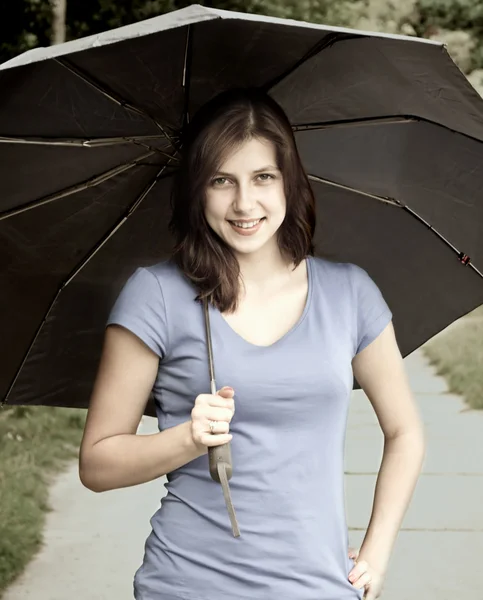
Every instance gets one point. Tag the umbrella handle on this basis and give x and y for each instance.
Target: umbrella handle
(221, 467)
(221, 471)
(217, 455)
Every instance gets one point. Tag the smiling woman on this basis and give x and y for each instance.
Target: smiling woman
(287, 330)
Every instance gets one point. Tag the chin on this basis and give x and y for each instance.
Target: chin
(246, 249)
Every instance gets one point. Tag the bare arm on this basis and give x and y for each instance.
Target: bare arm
(111, 454)
(380, 371)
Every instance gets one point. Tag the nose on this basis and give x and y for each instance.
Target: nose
(244, 200)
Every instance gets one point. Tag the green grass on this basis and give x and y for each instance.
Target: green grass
(35, 444)
(457, 354)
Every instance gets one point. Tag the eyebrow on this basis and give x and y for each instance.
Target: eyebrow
(266, 168)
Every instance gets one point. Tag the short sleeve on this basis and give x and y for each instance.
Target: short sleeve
(140, 308)
(371, 310)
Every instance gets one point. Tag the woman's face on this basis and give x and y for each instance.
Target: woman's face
(245, 199)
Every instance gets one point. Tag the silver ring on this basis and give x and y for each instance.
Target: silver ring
(212, 427)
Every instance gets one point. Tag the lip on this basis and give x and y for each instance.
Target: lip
(251, 231)
(246, 220)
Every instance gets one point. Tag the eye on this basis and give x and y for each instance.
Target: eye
(266, 175)
(217, 180)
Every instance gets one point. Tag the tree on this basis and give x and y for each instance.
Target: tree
(59, 8)
(87, 17)
(27, 26)
(444, 18)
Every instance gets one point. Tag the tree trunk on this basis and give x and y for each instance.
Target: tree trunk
(59, 8)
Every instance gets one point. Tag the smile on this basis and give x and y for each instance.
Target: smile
(247, 227)
(246, 224)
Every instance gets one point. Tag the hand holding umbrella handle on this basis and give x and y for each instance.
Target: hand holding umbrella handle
(219, 457)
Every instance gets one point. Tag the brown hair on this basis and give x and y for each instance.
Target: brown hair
(231, 118)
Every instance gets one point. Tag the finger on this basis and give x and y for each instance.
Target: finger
(207, 439)
(370, 595)
(226, 392)
(220, 402)
(360, 568)
(353, 552)
(218, 427)
(215, 413)
(363, 580)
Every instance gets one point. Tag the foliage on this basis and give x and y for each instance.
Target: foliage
(440, 18)
(457, 353)
(452, 14)
(94, 16)
(457, 23)
(27, 26)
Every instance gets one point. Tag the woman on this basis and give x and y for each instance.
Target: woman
(289, 332)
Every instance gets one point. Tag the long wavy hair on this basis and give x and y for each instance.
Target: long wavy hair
(217, 129)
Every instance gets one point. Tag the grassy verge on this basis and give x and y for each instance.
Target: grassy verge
(35, 444)
(457, 354)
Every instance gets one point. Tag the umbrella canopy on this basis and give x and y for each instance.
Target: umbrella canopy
(388, 128)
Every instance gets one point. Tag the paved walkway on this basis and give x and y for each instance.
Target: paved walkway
(94, 542)
(439, 550)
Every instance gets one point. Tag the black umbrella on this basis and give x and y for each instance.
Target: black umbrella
(388, 128)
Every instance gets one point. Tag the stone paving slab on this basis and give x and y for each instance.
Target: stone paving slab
(433, 566)
(452, 503)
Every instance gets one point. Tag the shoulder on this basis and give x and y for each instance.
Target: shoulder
(355, 296)
(170, 279)
(164, 271)
(152, 301)
(154, 288)
(334, 273)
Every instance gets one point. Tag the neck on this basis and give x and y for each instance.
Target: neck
(259, 270)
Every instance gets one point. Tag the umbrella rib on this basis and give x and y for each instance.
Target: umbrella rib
(462, 256)
(110, 95)
(188, 56)
(117, 226)
(375, 120)
(356, 122)
(81, 265)
(88, 142)
(83, 142)
(328, 40)
(4, 400)
(386, 200)
(92, 182)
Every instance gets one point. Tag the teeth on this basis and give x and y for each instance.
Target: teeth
(246, 225)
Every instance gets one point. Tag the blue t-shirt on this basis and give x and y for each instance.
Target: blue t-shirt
(288, 429)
